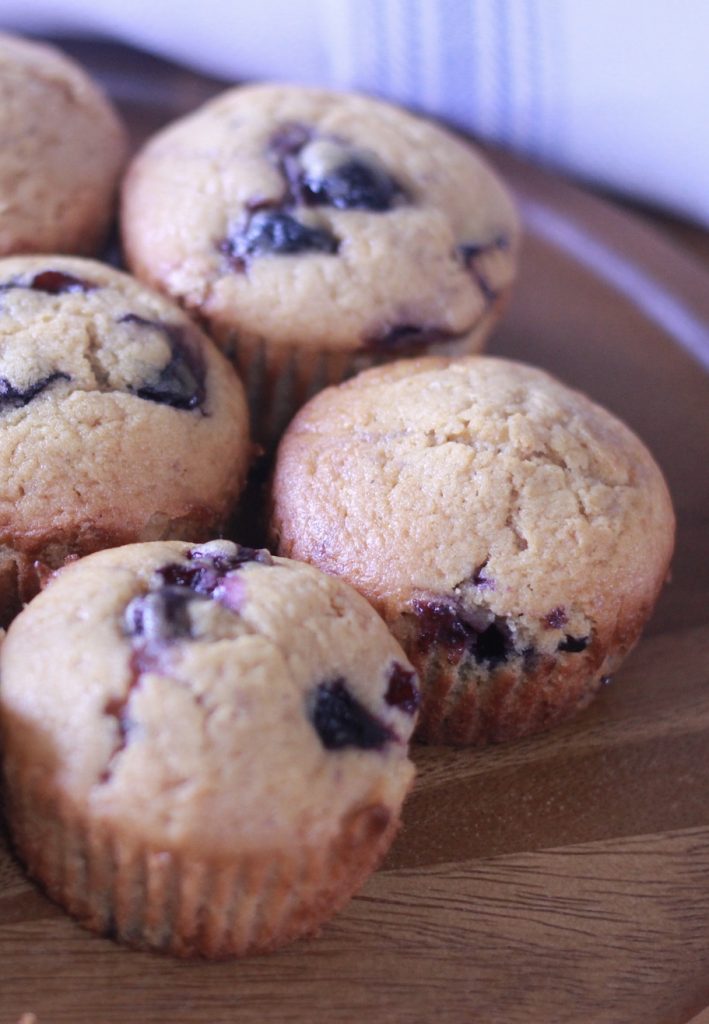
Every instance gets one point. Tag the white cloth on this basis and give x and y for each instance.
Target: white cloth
(614, 91)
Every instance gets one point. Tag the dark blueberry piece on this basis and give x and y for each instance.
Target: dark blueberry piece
(556, 618)
(407, 338)
(180, 383)
(275, 233)
(445, 622)
(56, 282)
(200, 579)
(402, 691)
(355, 185)
(605, 680)
(493, 646)
(439, 623)
(12, 398)
(208, 569)
(573, 644)
(160, 616)
(341, 721)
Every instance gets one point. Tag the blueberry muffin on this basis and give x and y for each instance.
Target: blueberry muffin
(63, 148)
(119, 420)
(512, 533)
(205, 748)
(318, 233)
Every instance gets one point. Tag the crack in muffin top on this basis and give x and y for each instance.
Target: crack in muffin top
(107, 335)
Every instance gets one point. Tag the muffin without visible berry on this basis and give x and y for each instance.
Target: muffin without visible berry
(512, 533)
(205, 749)
(318, 233)
(63, 148)
(119, 420)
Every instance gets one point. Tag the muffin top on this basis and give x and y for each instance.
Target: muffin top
(63, 149)
(117, 415)
(320, 219)
(479, 478)
(209, 697)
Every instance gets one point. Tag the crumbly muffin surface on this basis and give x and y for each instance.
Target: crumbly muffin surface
(322, 220)
(119, 420)
(63, 149)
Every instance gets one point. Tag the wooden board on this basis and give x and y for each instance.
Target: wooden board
(562, 879)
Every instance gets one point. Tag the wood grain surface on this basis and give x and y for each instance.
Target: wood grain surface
(561, 879)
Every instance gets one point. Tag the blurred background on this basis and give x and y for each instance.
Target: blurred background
(613, 93)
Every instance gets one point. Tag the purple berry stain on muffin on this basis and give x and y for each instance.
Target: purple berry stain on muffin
(402, 691)
(162, 615)
(51, 282)
(180, 383)
(341, 721)
(208, 570)
(57, 282)
(15, 398)
(556, 618)
(445, 622)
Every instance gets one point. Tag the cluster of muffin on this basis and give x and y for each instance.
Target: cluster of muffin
(205, 746)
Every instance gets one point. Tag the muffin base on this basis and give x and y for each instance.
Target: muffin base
(189, 905)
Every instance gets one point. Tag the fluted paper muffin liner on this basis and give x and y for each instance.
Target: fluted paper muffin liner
(186, 904)
(280, 379)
